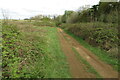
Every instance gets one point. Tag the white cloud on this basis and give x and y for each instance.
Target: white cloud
(27, 8)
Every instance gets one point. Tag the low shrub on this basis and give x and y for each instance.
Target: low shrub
(98, 34)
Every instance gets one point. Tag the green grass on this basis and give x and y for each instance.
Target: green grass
(51, 61)
(10, 58)
(56, 64)
(0, 49)
(97, 51)
(88, 67)
(32, 52)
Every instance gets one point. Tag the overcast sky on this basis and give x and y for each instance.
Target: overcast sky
(26, 8)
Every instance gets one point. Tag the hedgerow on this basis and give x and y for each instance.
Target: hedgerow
(103, 35)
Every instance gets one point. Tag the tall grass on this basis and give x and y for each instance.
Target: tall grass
(55, 62)
(31, 51)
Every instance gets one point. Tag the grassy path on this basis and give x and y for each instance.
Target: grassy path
(100, 67)
(55, 63)
(77, 67)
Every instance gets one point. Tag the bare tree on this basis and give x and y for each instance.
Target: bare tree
(5, 15)
(85, 7)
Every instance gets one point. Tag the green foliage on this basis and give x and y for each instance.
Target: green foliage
(66, 16)
(30, 52)
(11, 60)
(112, 17)
(19, 51)
(46, 19)
(97, 26)
(103, 12)
(97, 34)
(55, 60)
(72, 18)
(103, 55)
(58, 20)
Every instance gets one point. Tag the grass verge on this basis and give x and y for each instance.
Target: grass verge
(55, 61)
(97, 51)
(50, 61)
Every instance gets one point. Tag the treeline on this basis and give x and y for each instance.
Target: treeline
(41, 20)
(104, 12)
(96, 25)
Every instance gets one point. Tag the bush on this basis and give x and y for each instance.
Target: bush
(20, 51)
(101, 35)
(10, 53)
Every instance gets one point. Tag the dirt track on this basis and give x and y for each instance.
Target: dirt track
(76, 67)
